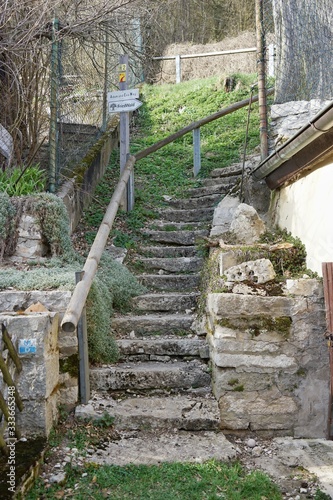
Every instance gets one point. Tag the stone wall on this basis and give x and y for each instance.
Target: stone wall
(269, 356)
(270, 360)
(49, 376)
(77, 191)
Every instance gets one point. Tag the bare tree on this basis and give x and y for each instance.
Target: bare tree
(25, 46)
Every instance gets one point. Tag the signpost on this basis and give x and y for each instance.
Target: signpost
(123, 101)
(123, 106)
(118, 95)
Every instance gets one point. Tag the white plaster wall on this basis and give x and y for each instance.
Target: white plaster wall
(305, 208)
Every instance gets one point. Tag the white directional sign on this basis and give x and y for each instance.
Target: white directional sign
(124, 106)
(119, 95)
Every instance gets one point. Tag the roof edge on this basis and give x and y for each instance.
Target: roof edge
(319, 125)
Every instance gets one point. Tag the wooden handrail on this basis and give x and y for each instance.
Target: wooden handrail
(79, 297)
(173, 137)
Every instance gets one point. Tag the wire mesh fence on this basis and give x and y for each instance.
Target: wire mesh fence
(303, 73)
(83, 67)
(87, 70)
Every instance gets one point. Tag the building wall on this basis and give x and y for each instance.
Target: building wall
(305, 209)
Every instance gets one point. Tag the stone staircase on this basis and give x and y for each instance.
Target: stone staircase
(162, 380)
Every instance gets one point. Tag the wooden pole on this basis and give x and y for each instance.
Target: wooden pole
(327, 268)
(79, 297)
(261, 46)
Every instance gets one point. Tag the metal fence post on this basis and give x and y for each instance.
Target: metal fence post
(82, 337)
(106, 74)
(53, 108)
(196, 152)
(178, 69)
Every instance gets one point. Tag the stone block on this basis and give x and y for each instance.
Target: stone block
(228, 259)
(304, 287)
(266, 410)
(38, 380)
(228, 305)
(253, 363)
(235, 380)
(53, 300)
(255, 271)
(38, 416)
(246, 224)
(223, 215)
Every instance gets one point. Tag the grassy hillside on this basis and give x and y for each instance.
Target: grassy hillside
(166, 109)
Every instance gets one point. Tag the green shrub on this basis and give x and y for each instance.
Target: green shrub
(17, 182)
(113, 287)
(7, 213)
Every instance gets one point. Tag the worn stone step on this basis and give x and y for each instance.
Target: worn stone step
(187, 215)
(195, 203)
(181, 412)
(164, 251)
(171, 264)
(171, 282)
(155, 448)
(152, 324)
(176, 237)
(150, 376)
(162, 225)
(162, 349)
(165, 301)
(230, 181)
(215, 188)
(227, 171)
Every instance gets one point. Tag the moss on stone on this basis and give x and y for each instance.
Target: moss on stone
(256, 325)
(70, 365)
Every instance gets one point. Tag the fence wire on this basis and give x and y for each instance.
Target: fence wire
(302, 33)
(85, 67)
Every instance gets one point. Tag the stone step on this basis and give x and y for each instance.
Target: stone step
(176, 237)
(162, 349)
(227, 171)
(163, 251)
(155, 448)
(211, 190)
(196, 203)
(181, 412)
(152, 324)
(150, 376)
(230, 180)
(175, 302)
(161, 225)
(171, 264)
(187, 215)
(171, 282)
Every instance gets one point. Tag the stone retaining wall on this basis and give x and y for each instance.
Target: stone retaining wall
(269, 357)
(50, 376)
(270, 361)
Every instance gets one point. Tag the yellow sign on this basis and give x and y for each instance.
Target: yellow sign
(122, 67)
(122, 77)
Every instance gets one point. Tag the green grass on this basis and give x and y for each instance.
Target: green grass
(169, 481)
(169, 171)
